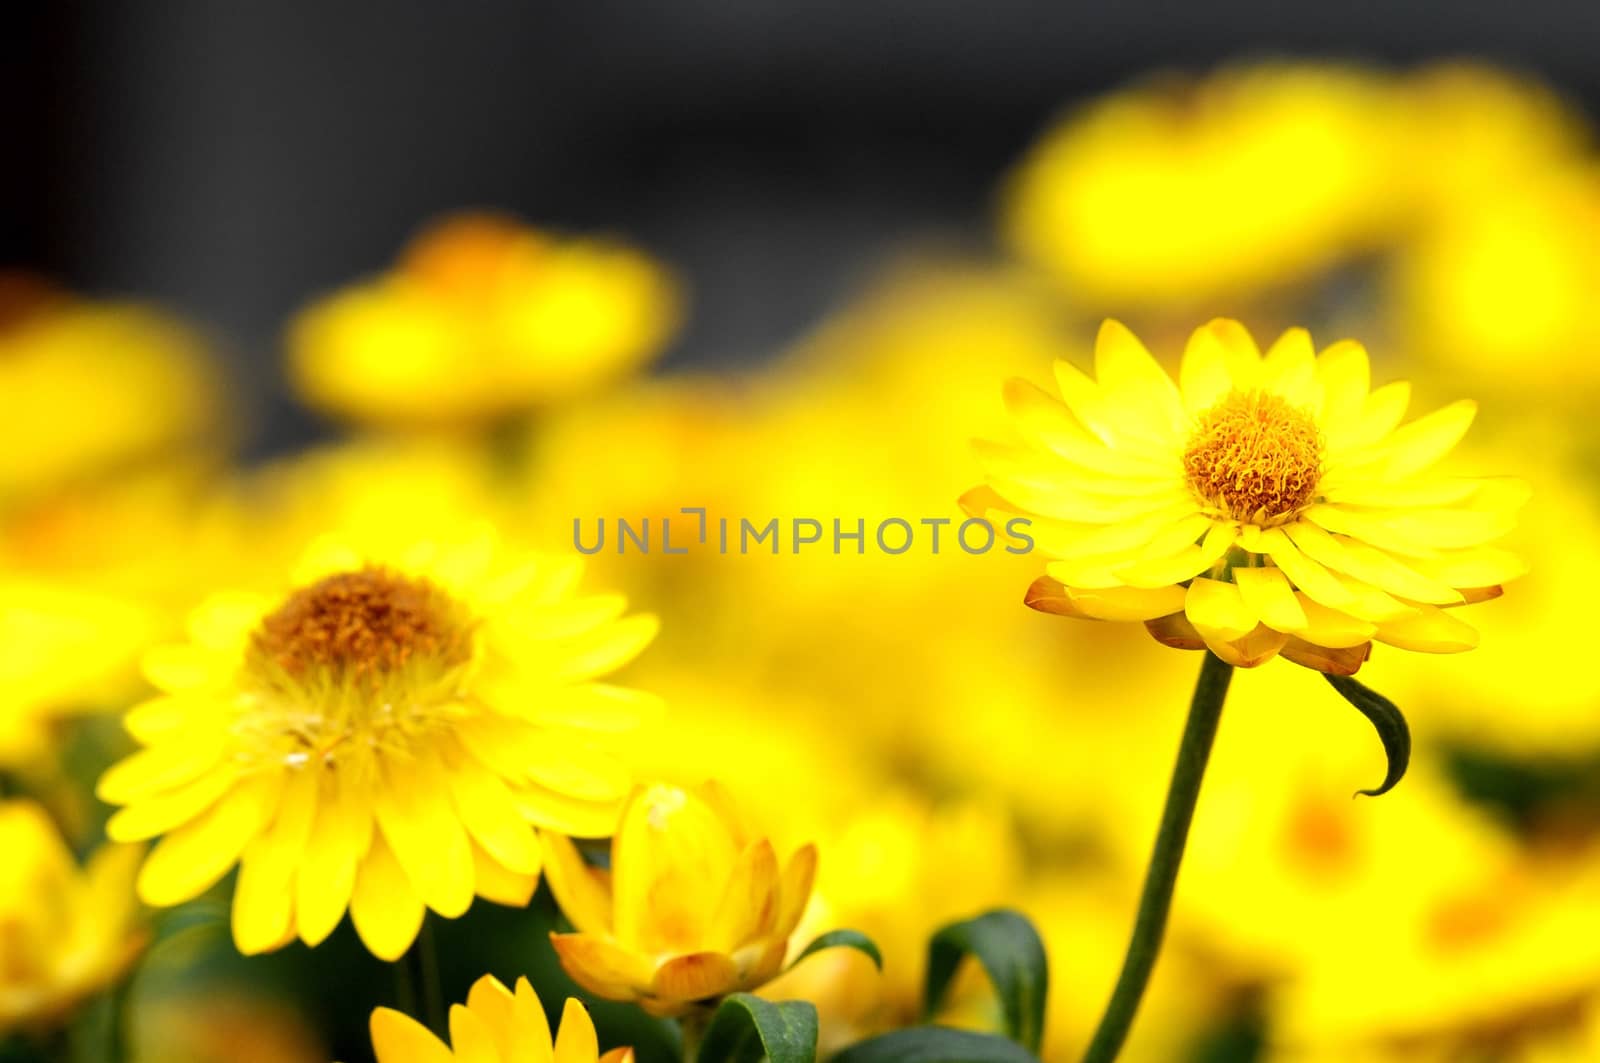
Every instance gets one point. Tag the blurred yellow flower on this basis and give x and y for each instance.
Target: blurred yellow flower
(66, 932)
(495, 1026)
(1262, 505)
(1505, 288)
(383, 738)
(1178, 192)
(691, 909)
(481, 317)
(89, 388)
(63, 650)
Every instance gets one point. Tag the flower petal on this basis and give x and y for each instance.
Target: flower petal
(384, 907)
(398, 1038)
(193, 858)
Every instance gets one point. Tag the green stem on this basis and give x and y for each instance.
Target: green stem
(693, 1025)
(1205, 709)
(426, 954)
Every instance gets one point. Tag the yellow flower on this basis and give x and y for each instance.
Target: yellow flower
(87, 389)
(1261, 505)
(65, 932)
(691, 910)
(495, 1026)
(482, 317)
(1252, 177)
(384, 737)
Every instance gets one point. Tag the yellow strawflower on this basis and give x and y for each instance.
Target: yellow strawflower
(691, 909)
(481, 317)
(66, 932)
(383, 737)
(1258, 506)
(1179, 190)
(495, 1026)
(88, 389)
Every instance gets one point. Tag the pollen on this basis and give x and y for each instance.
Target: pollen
(1255, 457)
(364, 625)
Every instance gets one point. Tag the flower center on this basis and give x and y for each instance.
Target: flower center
(359, 661)
(364, 624)
(1255, 457)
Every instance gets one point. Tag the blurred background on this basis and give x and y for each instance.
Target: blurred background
(778, 261)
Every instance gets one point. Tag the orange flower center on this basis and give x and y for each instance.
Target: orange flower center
(1255, 457)
(364, 625)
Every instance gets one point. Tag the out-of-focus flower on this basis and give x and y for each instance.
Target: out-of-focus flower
(90, 388)
(383, 738)
(1469, 133)
(210, 1024)
(889, 875)
(1506, 286)
(66, 932)
(495, 1026)
(482, 317)
(1260, 506)
(62, 650)
(691, 909)
(1186, 192)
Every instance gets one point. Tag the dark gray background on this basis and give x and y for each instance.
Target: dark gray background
(232, 159)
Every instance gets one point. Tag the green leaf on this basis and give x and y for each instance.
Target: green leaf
(1012, 953)
(1390, 725)
(843, 939)
(746, 1029)
(934, 1044)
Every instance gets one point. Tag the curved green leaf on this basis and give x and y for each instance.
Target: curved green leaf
(1012, 953)
(935, 1044)
(1390, 724)
(843, 939)
(746, 1029)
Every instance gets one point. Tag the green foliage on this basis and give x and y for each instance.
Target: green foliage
(1012, 954)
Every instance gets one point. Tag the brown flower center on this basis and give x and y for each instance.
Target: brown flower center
(1255, 457)
(364, 624)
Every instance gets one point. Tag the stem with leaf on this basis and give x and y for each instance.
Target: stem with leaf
(1205, 709)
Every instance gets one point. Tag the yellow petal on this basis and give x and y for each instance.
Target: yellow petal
(1187, 562)
(1127, 603)
(1306, 574)
(1045, 421)
(795, 893)
(165, 811)
(1251, 650)
(670, 847)
(696, 976)
(398, 1038)
(597, 707)
(748, 908)
(1175, 631)
(193, 858)
(1429, 631)
(182, 669)
(1345, 661)
(489, 811)
(603, 650)
(564, 814)
(162, 767)
(470, 1039)
(1049, 595)
(493, 1003)
(263, 901)
(384, 907)
(602, 967)
(1218, 611)
(583, 892)
(1346, 376)
(1379, 416)
(1289, 370)
(498, 883)
(575, 1040)
(1481, 567)
(418, 821)
(224, 622)
(1368, 565)
(1424, 441)
(1267, 593)
(1128, 374)
(530, 1029)
(1331, 628)
(339, 839)
(1204, 377)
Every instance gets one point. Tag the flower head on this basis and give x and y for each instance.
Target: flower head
(1258, 506)
(66, 931)
(481, 317)
(691, 909)
(495, 1026)
(385, 737)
